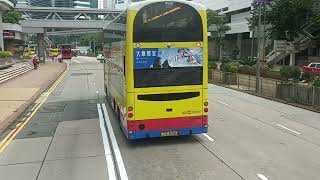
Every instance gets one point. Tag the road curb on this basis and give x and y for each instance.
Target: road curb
(11, 120)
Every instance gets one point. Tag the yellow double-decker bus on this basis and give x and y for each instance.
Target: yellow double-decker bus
(54, 52)
(156, 69)
(32, 50)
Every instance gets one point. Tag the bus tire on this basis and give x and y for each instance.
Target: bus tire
(114, 106)
(118, 114)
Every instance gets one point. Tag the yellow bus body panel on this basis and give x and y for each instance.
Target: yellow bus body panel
(144, 110)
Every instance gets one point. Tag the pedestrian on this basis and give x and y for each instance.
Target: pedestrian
(35, 62)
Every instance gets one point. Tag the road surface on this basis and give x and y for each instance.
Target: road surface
(249, 137)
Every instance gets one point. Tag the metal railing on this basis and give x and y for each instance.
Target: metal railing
(271, 88)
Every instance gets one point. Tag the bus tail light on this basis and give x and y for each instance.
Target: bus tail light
(206, 125)
(130, 108)
(205, 109)
(130, 115)
(205, 103)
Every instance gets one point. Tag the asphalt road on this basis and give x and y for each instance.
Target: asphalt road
(249, 137)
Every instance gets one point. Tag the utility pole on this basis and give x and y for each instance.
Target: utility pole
(259, 51)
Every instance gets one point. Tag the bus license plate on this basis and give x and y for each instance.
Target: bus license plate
(169, 133)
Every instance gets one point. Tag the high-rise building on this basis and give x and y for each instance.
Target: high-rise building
(86, 4)
(50, 3)
(21, 3)
(40, 3)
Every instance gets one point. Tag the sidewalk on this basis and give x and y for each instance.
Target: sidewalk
(17, 94)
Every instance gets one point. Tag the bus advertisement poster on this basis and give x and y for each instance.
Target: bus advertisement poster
(148, 58)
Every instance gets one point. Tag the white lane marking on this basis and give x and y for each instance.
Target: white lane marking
(222, 103)
(208, 137)
(288, 129)
(261, 176)
(119, 161)
(106, 144)
(75, 61)
(68, 66)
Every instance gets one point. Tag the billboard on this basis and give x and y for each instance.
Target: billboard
(152, 58)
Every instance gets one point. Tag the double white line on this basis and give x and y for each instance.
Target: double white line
(115, 165)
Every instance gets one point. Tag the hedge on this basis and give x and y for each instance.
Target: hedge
(5, 54)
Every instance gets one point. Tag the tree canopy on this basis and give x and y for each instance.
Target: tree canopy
(219, 20)
(288, 18)
(13, 1)
(12, 17)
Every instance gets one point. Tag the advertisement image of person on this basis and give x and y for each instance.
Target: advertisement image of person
(192, 60)
(165, 64)
(157, 63)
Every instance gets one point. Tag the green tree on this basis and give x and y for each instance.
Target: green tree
(14, 2)
(288, 17)
(12, 17)
(219, 24)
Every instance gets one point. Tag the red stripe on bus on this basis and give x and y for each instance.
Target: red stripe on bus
(168, 123)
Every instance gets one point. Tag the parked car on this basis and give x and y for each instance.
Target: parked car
(100, 58)
(312, 68)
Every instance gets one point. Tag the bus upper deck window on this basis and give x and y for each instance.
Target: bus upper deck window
(168, 22)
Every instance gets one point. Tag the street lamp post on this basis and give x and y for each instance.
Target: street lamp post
(259, 52)
(260, 47)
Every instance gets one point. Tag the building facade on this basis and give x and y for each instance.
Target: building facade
(46, 3)
(86, 4)
(239, 38)
(21, 3)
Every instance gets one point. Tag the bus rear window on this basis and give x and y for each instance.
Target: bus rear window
(157, 67)
(168, 22)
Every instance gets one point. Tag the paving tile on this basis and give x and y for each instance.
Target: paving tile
(73, 146)
(78, 127)
(28, 171)
(25, 151)
(75, 169)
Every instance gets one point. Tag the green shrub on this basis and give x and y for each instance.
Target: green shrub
(5, 54)
(307, 76)
(295, 73)
(285, 73)
(213, 59)
(248, 62)
(248, 70)
(252, 70)
(316, 81)
(213, 65)
(290, 72)
(231, 67)
(272, 75)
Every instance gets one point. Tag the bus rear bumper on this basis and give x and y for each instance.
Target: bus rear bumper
(158, 133)
(165, 127)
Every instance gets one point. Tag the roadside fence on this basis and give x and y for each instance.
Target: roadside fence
(279, 90)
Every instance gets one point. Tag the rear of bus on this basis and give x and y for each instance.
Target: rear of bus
(66, 51)
(54, 52)
(167, 77)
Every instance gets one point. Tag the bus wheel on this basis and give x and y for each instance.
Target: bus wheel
(118, 114)
(114, 105)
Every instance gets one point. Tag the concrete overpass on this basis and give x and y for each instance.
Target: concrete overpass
(39, 19)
